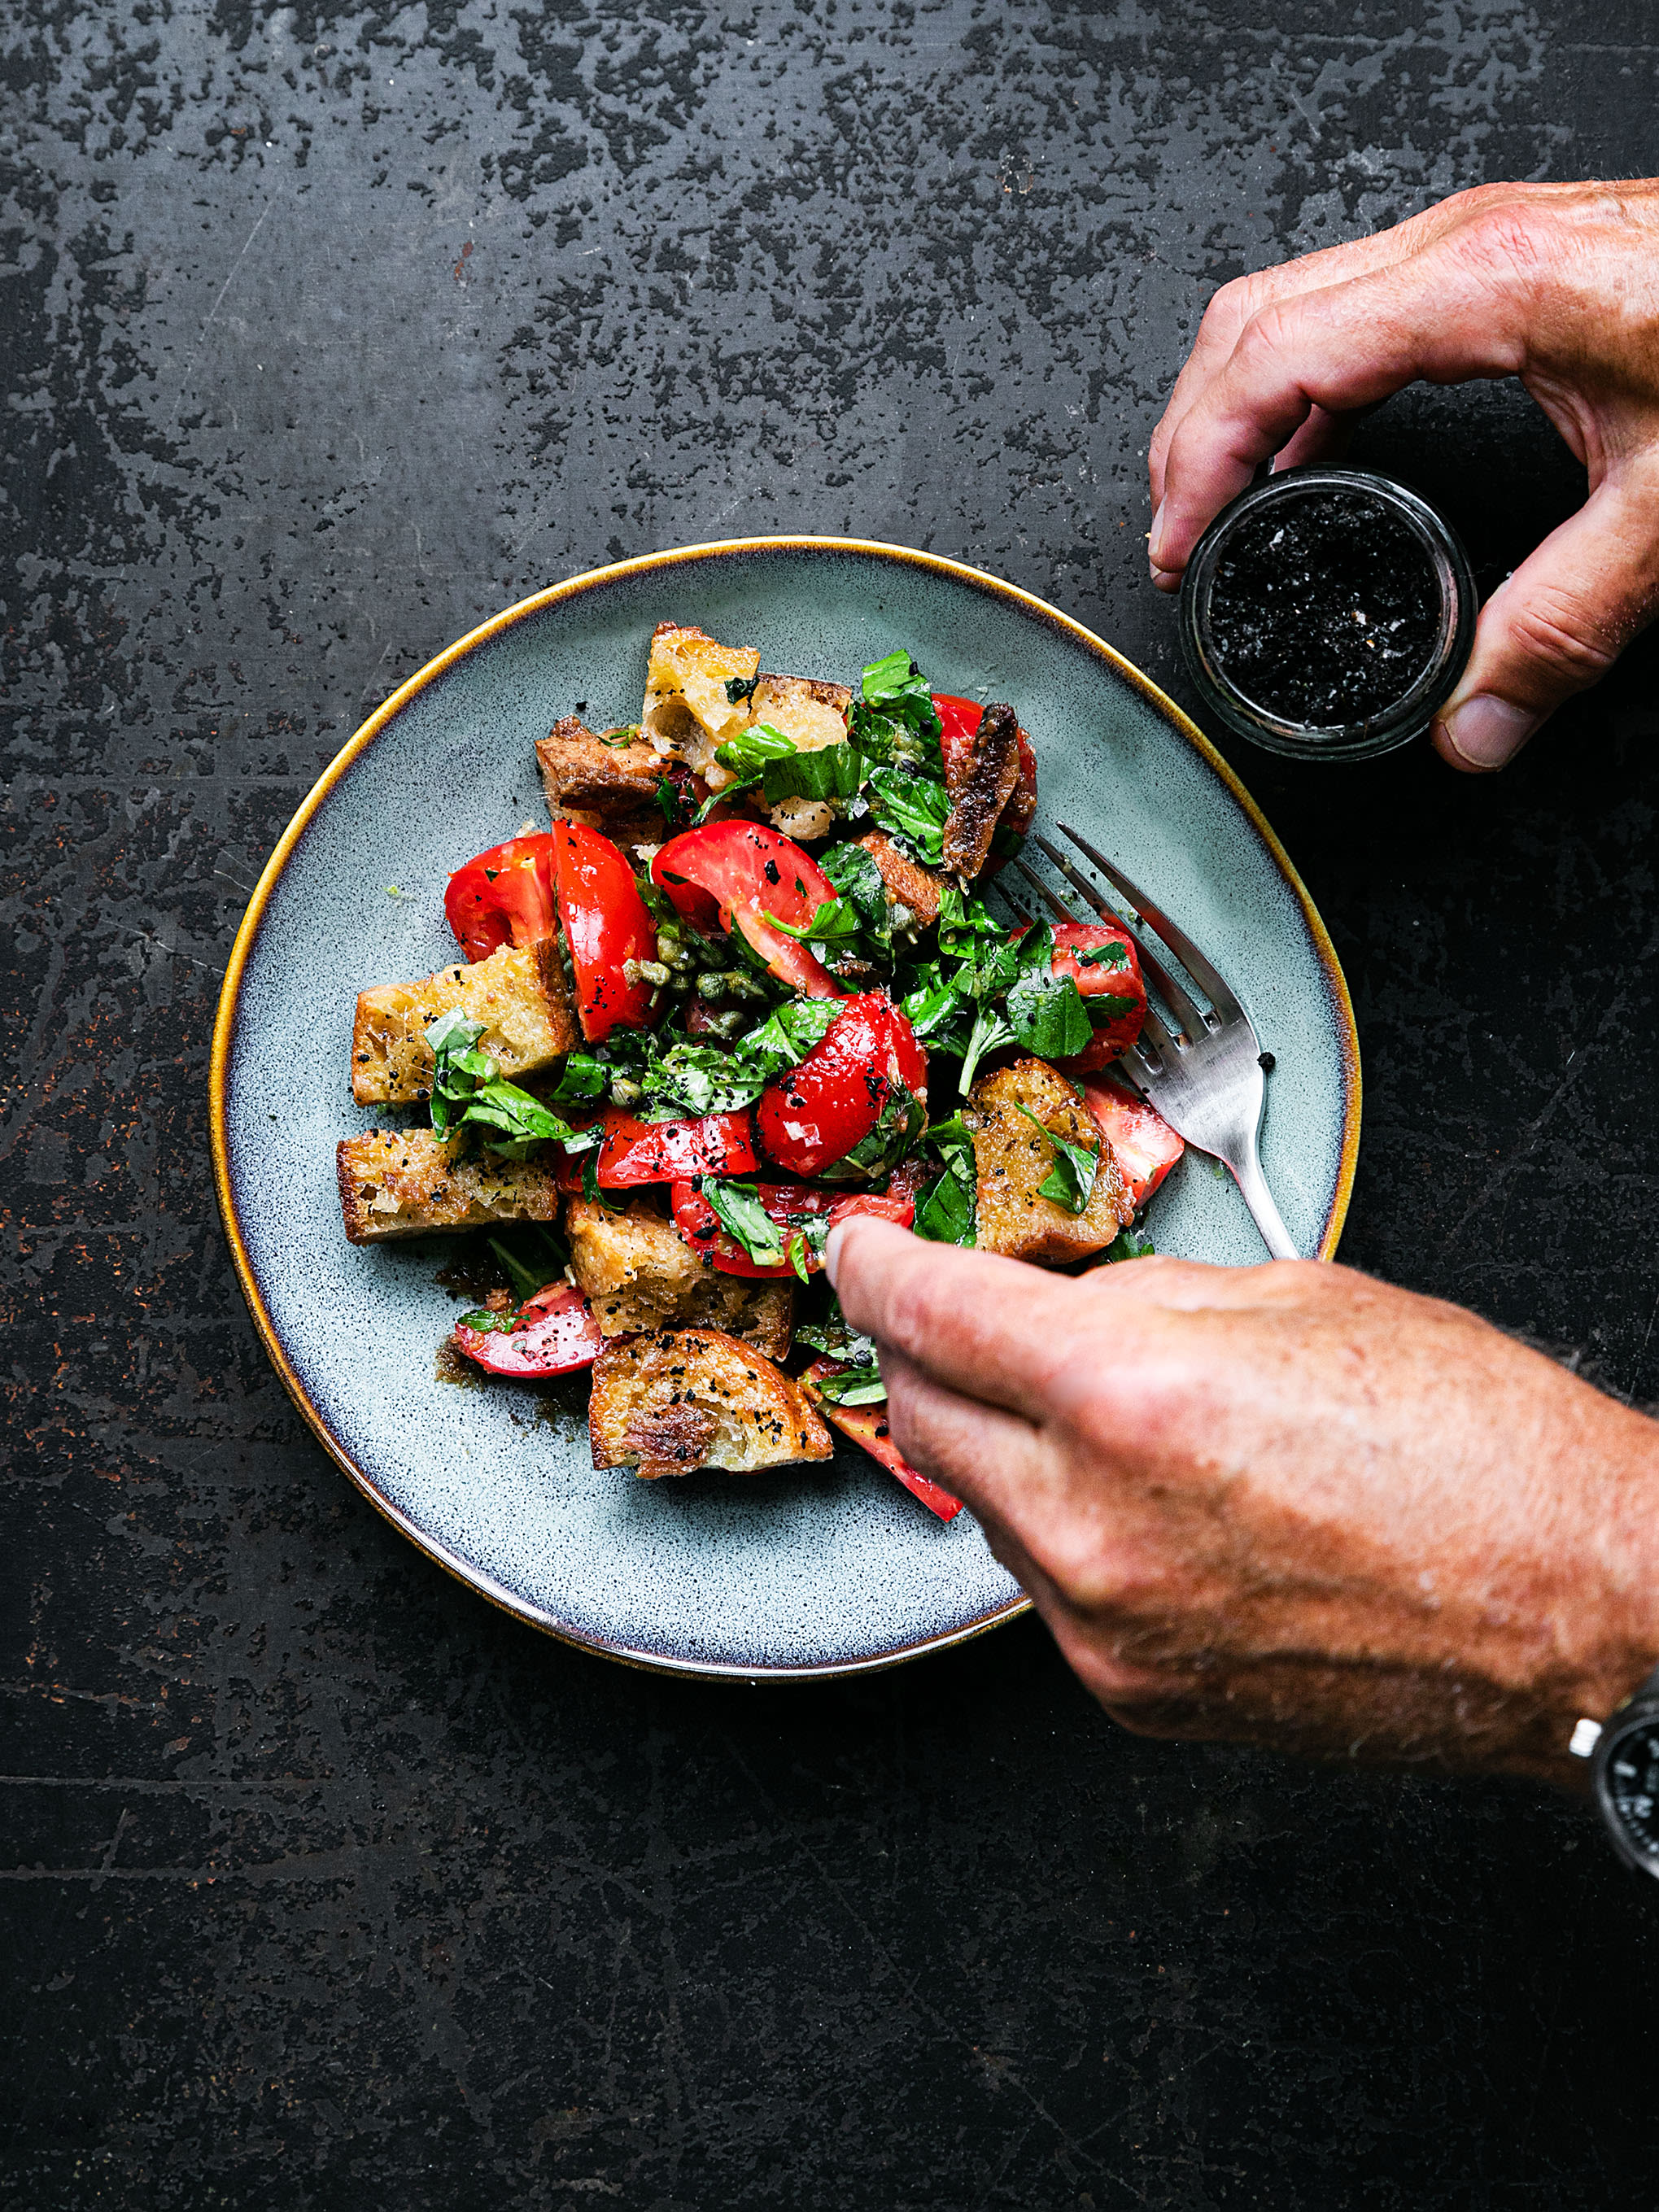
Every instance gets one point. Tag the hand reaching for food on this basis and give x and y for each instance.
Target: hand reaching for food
(1272, 1504)
(1558, 284)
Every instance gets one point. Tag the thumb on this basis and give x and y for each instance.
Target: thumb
(1555, 626)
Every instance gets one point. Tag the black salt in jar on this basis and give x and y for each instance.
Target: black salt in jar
(1327, 613)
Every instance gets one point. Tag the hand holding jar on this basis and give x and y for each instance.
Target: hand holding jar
(1558, 284)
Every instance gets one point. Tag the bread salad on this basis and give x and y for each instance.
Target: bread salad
(745, 987)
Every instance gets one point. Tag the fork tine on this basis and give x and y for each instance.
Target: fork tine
(1179, 1005)
(1153, 1032)
(1160, 925)
(1051, 899)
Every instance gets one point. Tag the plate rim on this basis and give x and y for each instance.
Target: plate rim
(224, 1029)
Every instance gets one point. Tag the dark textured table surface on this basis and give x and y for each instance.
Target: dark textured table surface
(330, 333)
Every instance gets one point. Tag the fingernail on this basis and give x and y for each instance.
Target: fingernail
(1155, 540)
(1488, 730)
(832, 1252)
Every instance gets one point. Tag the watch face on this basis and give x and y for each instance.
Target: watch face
(1630, 1781)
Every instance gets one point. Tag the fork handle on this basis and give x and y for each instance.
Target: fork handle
(1253, 1184)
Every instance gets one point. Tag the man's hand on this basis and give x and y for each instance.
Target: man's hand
(1558, 284)
(1286, 1504)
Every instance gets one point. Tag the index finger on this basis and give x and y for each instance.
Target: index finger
(1343, 348)
(993, 1329)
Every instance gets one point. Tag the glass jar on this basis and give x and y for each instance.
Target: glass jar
(1327, 614)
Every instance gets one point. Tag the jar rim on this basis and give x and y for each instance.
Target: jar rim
(1405, 717)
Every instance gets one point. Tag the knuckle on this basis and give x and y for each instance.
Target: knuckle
(1559, 630)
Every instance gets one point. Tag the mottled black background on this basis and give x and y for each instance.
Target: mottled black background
(330, 332)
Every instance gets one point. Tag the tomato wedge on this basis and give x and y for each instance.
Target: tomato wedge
(848, 1110)
(556, 1334)
(867, 1426)
(959, 720)
(735, 873)
(1097, 979)
(501, 895)
(1143, 1144)
(632, 1151)
(786, 1202)
(605, 923)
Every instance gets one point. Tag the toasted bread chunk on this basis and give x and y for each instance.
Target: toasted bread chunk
(519, 993)
(688, 709)
(1011, 1158)
(907, 882)
(813, 714)
(638, 1272)
(599, 780)
(408, 1183)
(683, 1399)
(981, 778)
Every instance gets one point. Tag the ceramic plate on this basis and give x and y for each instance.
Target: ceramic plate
(812, 1571)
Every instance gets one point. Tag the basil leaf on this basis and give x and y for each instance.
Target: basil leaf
(894, 717)
(483, 1319)
(790, 1035)
(937, 1008)
(856, 877)
(669, 800)
(456, 1067)
(856, 1386)
(1114, 955)
(751, 749)
(1103, 1007)
(522, 1120)
(699, 1079)
(581, 1077)
(1048, 1016)
(945, 1214)
(832, 1334)
(740, 690)
(1070, 1182)
(1127, 1244)
(911, 808)
(832, 772)
(835, 921)
(902, 1120)
(990, 1034)
(740, 1213)
(964, 922)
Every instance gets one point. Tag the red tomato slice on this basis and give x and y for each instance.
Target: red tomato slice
(1143, 1144)
(699, 1224)
(813, 1116)
(733, 872)
(867, 1426)
(1100, 979)
(557, 1334)
(633, 1151)
(960, 719)
(606, 922)
(505, 894)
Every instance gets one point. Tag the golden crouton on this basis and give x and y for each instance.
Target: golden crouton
(688, 709)
(812, 714)
(1011, 1158)
(638, 1272)
(908, 884)
(409, 1182)
(519, 993)
(608, 782)
(685, 1398)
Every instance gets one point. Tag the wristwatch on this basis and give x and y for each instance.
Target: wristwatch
(1624, 1772)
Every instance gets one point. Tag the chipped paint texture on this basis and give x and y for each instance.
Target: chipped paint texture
(331, 331)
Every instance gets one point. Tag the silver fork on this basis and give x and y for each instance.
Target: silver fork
(1208, 1079)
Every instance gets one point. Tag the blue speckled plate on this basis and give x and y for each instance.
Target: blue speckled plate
(810, 1571)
